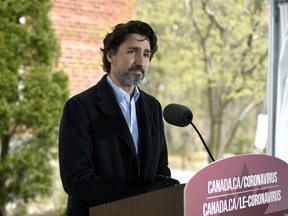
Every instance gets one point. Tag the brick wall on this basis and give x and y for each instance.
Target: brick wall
(80, 26)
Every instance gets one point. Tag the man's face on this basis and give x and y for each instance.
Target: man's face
(130, 62)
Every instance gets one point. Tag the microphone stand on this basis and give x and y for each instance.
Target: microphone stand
(205, 145)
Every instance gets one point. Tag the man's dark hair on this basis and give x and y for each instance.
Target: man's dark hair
(119, 34)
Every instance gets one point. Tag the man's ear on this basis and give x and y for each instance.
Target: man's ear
(109, 56)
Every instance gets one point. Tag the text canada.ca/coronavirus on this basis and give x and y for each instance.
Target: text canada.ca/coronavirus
(240, 182)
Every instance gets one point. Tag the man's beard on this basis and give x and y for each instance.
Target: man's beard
(130, 79)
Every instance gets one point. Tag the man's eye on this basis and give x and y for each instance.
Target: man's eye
(131, 51)
(147, 55)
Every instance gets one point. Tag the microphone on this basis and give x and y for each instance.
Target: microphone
(180, 115)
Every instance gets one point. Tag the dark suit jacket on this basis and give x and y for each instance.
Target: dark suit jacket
(98, 162)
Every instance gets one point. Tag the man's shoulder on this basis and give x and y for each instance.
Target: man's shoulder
(149, 100)
(92, 93)
(102, 83)
(147, 96)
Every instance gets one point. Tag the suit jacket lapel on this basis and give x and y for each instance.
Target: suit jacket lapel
(110, 108)
(144, 130)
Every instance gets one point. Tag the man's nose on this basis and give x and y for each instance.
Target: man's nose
(140, 60)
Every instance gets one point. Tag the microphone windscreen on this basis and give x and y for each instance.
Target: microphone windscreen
(178, 115)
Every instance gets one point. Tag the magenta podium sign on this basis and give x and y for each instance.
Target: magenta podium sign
(242, 185)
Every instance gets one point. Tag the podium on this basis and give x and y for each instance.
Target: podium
(167, 201)
(241, 185)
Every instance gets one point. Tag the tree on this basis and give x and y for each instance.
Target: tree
(213, 56)
(31, 100)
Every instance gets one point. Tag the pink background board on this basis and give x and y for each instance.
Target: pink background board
(242, 185)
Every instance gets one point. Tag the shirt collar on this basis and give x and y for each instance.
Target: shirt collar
(120, 93)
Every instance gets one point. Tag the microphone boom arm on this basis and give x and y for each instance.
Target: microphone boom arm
(205, 145)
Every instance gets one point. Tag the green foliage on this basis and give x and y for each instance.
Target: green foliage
(242, 145)
(212, 57)
(31, 100)
(172, 64)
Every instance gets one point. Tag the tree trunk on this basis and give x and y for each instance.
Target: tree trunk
(4, 153)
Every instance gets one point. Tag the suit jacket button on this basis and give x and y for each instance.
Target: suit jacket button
(132, 157)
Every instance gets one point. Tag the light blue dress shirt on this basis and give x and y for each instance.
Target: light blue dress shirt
(128, 108)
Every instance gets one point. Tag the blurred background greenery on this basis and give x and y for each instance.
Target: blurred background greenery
(212, 58)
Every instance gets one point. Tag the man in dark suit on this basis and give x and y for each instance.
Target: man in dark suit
(111, 139)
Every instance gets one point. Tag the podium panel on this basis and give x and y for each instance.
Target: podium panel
(241, 185)
(167, 201)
